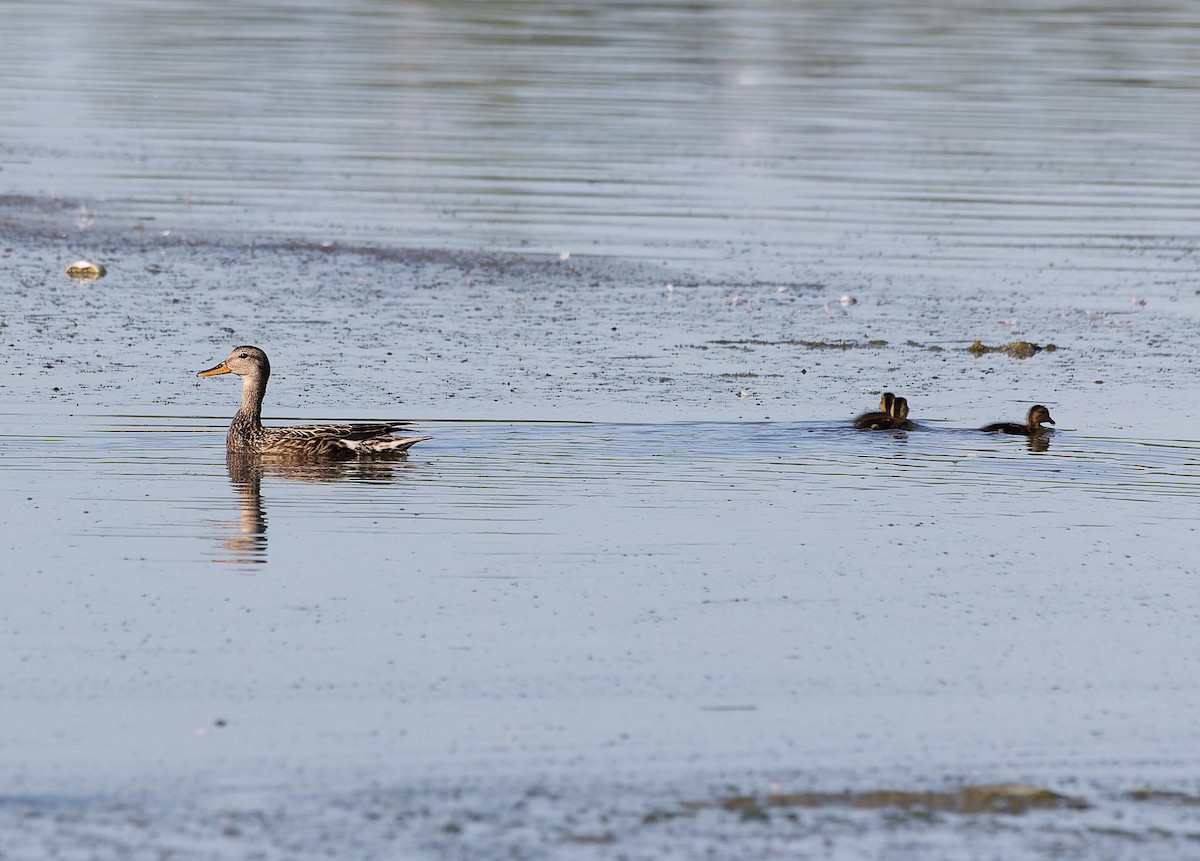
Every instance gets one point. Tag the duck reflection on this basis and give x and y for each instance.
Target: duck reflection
(1038, 442)
(248, 543)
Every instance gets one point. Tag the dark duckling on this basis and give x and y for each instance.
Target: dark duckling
(1038, 415)
(899, 414)
(880, 420)
(892, 415)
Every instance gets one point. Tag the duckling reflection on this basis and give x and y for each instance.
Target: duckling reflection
(246, 472)
(1038, 442)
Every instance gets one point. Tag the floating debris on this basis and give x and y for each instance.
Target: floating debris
(1016, 349)
(86, 270)
(1164, 796)
(847, 300)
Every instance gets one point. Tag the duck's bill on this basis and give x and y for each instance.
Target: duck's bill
(212, 372)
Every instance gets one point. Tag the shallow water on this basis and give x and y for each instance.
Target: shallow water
(781, 566)
(644, 562)
(524, 601)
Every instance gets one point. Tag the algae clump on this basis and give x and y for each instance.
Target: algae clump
(1015, 349)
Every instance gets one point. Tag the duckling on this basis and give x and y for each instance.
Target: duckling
(247, 434)
(899, 414)
(892, 415)
(1038, 415)
(881, 420)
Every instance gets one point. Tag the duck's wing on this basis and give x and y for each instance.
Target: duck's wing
(345, 439)
(352, 431)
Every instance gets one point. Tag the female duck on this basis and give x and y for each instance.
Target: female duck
(1038, 415)
(246, 433)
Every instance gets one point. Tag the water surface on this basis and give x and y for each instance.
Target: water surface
(600, 252)
(774, 138)
(550, 585)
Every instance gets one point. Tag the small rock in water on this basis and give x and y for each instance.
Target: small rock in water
(86, 270)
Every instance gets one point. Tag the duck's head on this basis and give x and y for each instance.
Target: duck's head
(900, 409)
(1038, 415)
(886, 402)
(243, 361)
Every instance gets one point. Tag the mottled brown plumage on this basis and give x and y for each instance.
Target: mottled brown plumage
(246, 433)
(1038, 415)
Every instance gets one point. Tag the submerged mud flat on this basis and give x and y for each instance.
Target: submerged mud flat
(596, 819)
(441, 334)
(644, 592)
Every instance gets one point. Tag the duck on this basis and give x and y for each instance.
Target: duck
(248, 436)
(888, 417)
(1038, 415)
(899, 414)
(877, 420)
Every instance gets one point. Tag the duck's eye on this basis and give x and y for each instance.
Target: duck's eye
(243, 356)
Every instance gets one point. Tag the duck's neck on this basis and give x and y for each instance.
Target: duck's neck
(249, 415)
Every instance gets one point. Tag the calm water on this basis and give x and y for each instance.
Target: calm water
(557, 584)
(776, 137)
(644, 557)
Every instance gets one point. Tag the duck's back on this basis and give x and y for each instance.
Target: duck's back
(874, 421)
(348, 440)
(1006, 427)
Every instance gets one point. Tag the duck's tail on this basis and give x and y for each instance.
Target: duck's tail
(383, 445)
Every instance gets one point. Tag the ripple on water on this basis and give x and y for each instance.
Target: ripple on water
(943, 136)
(485, 470)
